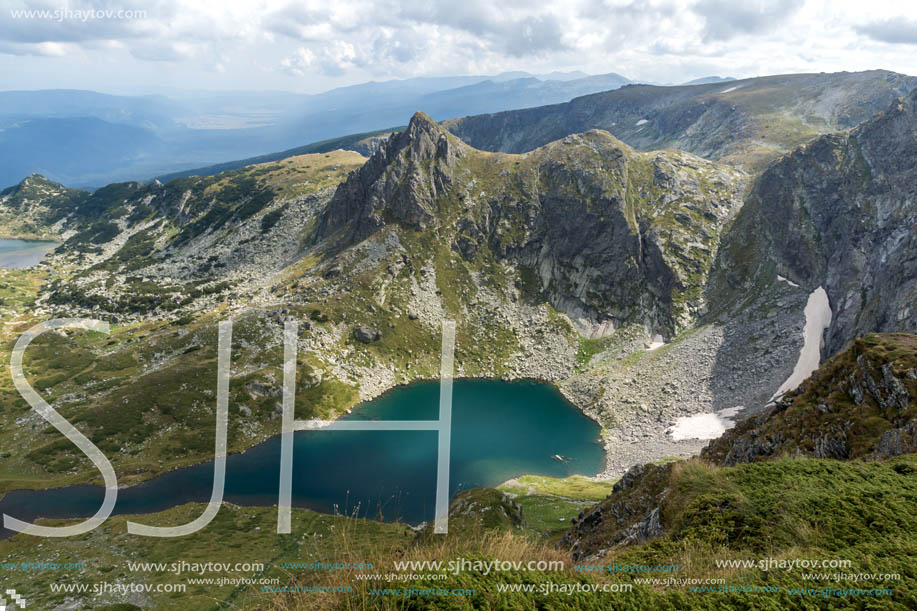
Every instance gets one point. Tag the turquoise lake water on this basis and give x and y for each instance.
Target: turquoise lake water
(500, 430)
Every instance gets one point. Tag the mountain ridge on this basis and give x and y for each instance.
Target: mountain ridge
(749, 122)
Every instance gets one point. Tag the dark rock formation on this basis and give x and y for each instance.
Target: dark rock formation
(476, 510)
(612, 236)
(400, 183)
(367, 335)
(630, 515)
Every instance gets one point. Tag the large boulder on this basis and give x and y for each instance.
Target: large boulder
(366, 334)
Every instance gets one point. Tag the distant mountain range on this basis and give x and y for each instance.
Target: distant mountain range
(747, 123)
(709, 79)
(88, 139)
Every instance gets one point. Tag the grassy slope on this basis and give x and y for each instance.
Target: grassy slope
(236, 535)
(785, 509)
(144, 393)
(808, 509)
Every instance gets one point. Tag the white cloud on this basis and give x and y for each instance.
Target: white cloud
(276, 43)
(333, 58)
(338, 57)
(299, 62)
(42, 49)
(726, 19)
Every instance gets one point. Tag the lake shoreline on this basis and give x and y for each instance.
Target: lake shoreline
(139, 477)
(493, 439)
(23, 253)
(32, 237)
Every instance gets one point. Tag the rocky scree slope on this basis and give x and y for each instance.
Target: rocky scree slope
(861, 404)
(837, 213)
(138, 251)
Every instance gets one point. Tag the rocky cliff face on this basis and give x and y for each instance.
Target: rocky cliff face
(609, 236)
(840, 213)
(401, 182)
(630, 515)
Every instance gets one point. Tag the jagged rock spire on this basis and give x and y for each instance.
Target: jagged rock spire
(400, 182)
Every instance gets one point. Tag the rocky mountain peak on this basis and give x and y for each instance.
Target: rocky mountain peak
(612, 235)
(426, 139)
(399, 183)
(32, 182)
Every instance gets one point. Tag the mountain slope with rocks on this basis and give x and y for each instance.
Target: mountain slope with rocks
(749, 122)
(32, 208)
(837, 213)
(840, 212)
(547, 261)
(860, 405)
(609, 236)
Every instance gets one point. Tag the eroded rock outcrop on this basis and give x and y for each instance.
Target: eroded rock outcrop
(401, 182)
(608, 235)
(632, 514)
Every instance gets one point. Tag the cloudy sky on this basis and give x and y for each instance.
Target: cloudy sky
(314, 45)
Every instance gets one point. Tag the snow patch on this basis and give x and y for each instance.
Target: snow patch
(642, 121)
(657, 342)
(788, 281)
(704, 426)
(729, 89)
(818, 317)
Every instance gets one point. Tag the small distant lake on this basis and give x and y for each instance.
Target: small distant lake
(16, 254)
(499, 430)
